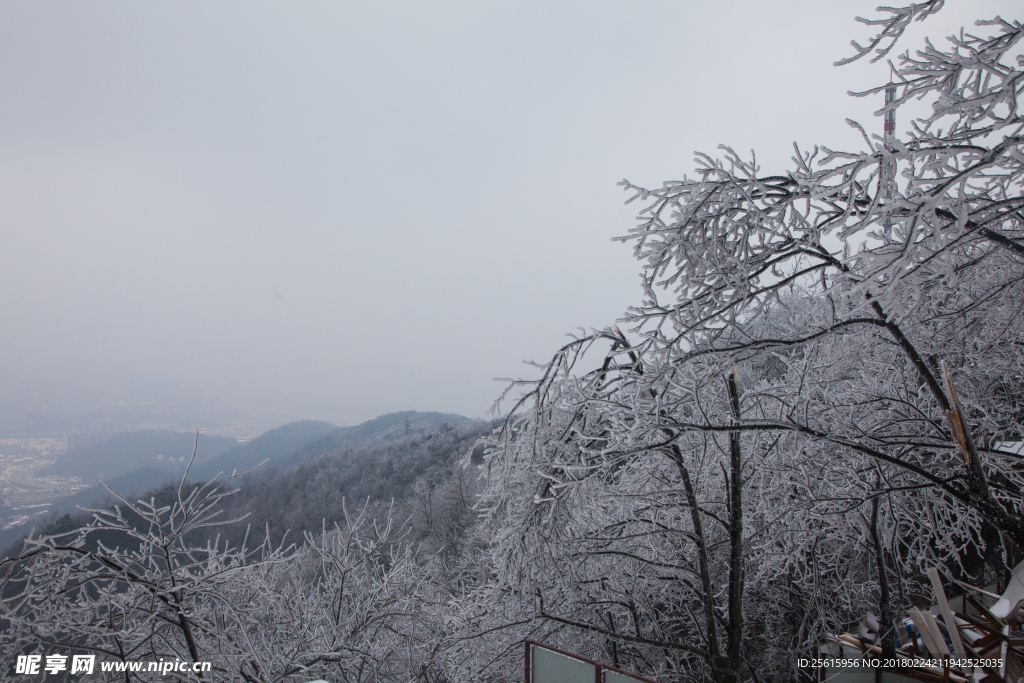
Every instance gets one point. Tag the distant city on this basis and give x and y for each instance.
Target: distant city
(25, 494)
(36, 429)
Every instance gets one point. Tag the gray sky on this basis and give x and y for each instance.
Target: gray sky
(370, 206)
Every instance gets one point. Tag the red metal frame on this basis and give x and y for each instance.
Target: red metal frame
(598, 666)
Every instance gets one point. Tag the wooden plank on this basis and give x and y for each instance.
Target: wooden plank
(1003, 651)
(926, 633)
(947, 614)
(987, 642)
(977, 654)
(936, 633)
(979, 623)
(996, 622)
(926, 673)
(978, 590)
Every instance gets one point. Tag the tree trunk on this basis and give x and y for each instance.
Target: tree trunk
(735, 633)
(886, 617)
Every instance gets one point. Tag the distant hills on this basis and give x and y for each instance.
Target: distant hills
(127, 485)
(298, 442)
(416, 475)
(383, 428)
(237, 458)
(272, 445)
(123, 453)
(130, 465)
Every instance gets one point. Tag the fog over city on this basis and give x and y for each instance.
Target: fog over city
(337, 210)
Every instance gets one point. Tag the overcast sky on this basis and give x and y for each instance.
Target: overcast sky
(367, 207)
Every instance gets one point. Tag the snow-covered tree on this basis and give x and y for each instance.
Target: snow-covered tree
(127, 586)
(814, 390)
(135, 585)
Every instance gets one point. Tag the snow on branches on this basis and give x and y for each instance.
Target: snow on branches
(870, 325)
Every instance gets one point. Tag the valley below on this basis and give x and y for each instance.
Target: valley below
(26, 491)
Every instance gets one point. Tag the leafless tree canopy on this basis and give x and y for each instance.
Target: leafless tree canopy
(815, 398)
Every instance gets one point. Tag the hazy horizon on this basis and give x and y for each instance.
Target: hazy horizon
(362, 209)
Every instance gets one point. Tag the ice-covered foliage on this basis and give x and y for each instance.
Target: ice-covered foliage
(873, 320)
(134, 585)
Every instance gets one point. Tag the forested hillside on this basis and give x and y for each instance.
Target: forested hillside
(385, 517)
(123, 453)
(274, 444)
(412, 472)
(377, 460)
(383, 428)
(267, 447)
